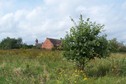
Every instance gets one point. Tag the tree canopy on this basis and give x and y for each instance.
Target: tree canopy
(85, 42)
(13, 43)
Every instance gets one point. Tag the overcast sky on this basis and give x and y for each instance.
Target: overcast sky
(31, 19)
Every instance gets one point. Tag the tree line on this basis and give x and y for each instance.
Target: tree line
(116, 46)
(13, 43)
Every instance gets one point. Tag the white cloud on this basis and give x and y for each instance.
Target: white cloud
(32, 24)
(34, 13)
(51, 19)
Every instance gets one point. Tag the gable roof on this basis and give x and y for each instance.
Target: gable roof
(55, 42)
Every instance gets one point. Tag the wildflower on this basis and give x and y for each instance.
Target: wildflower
(85, 78)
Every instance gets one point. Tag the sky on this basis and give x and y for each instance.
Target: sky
(31, 19)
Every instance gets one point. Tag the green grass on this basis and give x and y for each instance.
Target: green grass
(111, 66)
(49, 67)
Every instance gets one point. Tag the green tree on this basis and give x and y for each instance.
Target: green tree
(85, 42)
(26, 46)
(11, 43)
(114, 45)
(117, 46)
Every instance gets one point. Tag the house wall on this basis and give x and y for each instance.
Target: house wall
(47, 44)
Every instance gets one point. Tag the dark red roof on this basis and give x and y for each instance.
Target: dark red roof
(55, 42)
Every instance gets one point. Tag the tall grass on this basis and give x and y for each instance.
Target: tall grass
(49, 67)
(112, 66)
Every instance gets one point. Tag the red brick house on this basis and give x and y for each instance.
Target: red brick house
(51, 43)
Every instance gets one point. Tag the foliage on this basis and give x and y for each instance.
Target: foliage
(84, 42)
(117, 46)
(13, 43)
(35, 66)
(26, 46)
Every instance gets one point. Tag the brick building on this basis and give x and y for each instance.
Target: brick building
(51, 43)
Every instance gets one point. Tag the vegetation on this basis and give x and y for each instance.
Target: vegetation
(84, 42)
(117, 46)
(84, 46)
(49, 67)
(12, 43)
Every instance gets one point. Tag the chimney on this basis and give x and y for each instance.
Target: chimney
(36, 41)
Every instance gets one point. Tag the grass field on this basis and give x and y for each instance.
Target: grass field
(49, 67)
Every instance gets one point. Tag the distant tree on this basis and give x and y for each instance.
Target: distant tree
(26, 46)
(84, 42)
(116, 46)
(11, 43)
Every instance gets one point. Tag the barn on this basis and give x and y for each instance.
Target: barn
(51, 43)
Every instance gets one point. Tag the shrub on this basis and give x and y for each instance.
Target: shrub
(84, 42)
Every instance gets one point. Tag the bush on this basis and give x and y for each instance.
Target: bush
(84, 42)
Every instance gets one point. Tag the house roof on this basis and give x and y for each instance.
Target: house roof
(55, 42)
